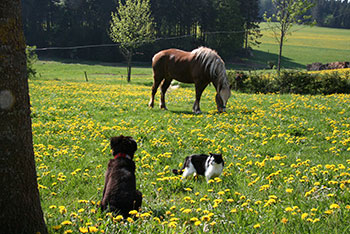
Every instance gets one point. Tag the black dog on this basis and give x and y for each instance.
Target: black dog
(120, 193)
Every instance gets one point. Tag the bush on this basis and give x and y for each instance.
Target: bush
(290, 82)
(32, 57)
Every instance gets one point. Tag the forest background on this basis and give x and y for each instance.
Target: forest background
(229, 26)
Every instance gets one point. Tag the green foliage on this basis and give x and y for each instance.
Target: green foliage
(132, 24)
(291, 82)
(227, 18)
(32, 58)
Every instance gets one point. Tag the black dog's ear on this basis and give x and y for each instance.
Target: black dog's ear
(133, 144)
(115, 141)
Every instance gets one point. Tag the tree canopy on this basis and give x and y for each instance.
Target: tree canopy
(131, 26)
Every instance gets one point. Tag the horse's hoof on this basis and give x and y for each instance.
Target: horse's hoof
(197, 112)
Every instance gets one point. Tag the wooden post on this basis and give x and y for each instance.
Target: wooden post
(86, 78)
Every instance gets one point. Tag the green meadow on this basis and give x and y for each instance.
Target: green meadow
(286, 156)
(304, 46)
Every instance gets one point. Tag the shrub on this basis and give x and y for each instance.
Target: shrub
(32, 57)
(291, 82)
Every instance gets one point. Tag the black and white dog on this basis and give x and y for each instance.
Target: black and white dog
(120, 194)
(209, 166)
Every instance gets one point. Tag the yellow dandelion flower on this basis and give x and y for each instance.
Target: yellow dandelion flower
(258, 202)
(230, 200)
(205, 218)
(234, 210)
(57, 227)
(304, 215)
(194, 219)
(187, 211)
(93, 229)
(257, 225)
(172, 224)
(289, 190)
(197, 223)
(221, 193)
(67, 222)
(289, 209)
(328, 212)
(130, 220)
(133, 212)
(145, 215)
(83, 230)
(284, 220)
(212, 223)
(334, 206)
(118, 218)
(68, 231)
(188, 189)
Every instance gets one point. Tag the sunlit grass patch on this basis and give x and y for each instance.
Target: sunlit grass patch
(286, 163)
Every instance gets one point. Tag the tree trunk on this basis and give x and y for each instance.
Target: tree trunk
(129, 65)
(19, 196)
(280, 52)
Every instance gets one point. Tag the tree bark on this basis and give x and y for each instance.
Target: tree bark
(280, 52)
(19, 196)
(129, 65)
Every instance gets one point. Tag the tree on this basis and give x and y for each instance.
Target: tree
(288, 12)
(20, 203)
(251, 19)
(228, 20)
(132, 26)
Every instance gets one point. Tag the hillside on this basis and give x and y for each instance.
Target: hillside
(305, 45)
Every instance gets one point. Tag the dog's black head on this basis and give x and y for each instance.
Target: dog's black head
(123, 144)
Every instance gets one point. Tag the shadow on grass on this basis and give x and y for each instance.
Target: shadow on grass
(262, 58)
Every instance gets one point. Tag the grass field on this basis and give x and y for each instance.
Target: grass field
(286, 156)
(304, 46)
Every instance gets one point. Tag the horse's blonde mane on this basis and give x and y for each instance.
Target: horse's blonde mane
(212, 61)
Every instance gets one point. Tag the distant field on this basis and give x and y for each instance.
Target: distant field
(305, 45)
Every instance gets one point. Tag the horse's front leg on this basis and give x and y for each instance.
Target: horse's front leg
(199, 90)
(164, 87)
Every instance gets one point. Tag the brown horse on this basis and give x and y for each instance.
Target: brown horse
(200, 66)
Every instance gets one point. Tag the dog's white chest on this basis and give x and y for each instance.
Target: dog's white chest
(213, 170)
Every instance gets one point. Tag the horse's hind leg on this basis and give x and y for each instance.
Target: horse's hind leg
(155, 86)
(164, 87)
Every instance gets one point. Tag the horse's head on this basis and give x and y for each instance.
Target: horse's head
(223, 92)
